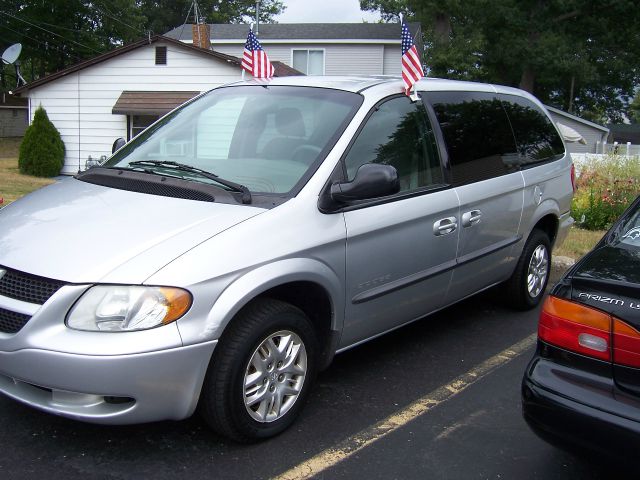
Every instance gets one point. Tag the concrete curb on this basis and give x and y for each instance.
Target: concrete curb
(559, 265)
(560, 261)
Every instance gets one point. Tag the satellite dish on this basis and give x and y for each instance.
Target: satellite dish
(12, 53)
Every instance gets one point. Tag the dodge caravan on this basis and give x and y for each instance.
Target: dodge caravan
(223, 256)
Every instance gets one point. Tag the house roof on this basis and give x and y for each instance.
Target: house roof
(624, 132)
(577, 119)
(280, 68)
(292, 32)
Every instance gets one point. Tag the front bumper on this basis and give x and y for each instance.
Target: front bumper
(100, 377)
(571, 408)
(118, 389)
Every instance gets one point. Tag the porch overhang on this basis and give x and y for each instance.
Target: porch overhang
(150, 103)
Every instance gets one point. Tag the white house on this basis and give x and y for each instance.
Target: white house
(119, 93)
(594, 135)
(317, 48)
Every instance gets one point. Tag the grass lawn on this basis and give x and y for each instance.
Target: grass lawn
(9, 147)
(578, 242)
(13, 184)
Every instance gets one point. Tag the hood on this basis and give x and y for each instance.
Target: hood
(78, 232)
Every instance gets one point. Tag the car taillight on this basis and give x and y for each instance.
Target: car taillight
(573, 177)
(626, 344)
(575, 327)
(585, 330)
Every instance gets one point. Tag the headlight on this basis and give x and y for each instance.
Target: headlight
(115, 308)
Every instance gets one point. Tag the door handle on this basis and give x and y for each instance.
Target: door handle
(445, 226)
(471, 218)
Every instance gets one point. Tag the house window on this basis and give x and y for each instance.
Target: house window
(139, 122)
(161, 55)
(309, 62)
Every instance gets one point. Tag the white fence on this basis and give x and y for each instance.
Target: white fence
(617, 148)
(581, 159)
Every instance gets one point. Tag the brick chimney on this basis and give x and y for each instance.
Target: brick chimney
(201, 35)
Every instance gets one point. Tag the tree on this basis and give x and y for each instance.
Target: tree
(578, 55)
(634, 109)
(55, 35)
(42, 150)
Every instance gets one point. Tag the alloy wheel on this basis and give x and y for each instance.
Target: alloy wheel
(538, 271)
(274, 376)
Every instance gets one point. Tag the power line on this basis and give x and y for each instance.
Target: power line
(47, 44)
(49, 31)
(24, 35)
(107, 13)
(61, 27)
(104, 37)
(7, 40)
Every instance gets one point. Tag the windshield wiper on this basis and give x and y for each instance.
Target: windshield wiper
(246, 194)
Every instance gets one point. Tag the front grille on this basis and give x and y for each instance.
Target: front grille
(27, 288)
(12, 322)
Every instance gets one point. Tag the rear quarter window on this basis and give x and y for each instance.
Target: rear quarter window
(478, 137)
(630, 230)
(536, 137)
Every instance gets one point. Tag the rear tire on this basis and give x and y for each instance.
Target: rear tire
(261, 372)
(528, 282)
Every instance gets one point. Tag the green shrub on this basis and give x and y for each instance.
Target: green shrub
(605, 189)
(42, 149)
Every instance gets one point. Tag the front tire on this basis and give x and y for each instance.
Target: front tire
(528, 282)
(261, 372)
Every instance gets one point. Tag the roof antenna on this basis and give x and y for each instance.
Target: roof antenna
(197, 16)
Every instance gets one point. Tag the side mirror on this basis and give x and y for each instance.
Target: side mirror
(118, 144)
(372, 180)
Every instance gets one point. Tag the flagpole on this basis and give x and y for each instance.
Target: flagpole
(409, 94)
(411, 71)
(250, 29)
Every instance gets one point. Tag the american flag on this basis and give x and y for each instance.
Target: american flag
(411, 67)
(254, 58)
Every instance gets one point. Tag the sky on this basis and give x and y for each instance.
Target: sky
(324, 11)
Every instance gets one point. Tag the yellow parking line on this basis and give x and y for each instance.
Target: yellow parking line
(352, 445)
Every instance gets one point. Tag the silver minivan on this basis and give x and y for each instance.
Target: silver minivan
(224, 255)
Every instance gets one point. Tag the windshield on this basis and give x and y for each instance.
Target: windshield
(265, 138)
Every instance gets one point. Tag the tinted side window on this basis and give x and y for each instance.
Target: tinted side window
(477, 133)
(537, 138)
(398, 134)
